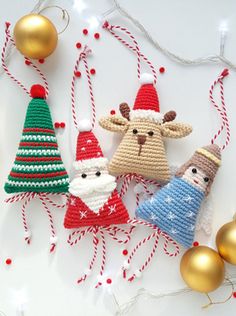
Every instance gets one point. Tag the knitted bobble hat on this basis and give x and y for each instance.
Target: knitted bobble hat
(38, 166)
(146, 104)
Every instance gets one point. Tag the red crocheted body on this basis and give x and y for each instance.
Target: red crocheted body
(79, 214)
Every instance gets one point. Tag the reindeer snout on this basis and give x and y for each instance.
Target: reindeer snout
(141, 139)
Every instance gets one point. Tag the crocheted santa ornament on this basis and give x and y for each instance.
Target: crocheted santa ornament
(38, 166)
(142, 150)
(174, 209)
(94, 199)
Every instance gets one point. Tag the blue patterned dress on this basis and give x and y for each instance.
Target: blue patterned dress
(174, 209)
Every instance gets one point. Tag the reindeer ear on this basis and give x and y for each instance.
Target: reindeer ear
(175, 130)
(114, 123)
(125, 110)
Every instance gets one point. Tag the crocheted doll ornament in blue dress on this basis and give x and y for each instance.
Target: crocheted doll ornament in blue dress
(174, 208)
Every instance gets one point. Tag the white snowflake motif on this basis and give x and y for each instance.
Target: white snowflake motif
(83, 214)
(168, 186)
(190, 214)
(112, 209)
(89, 141)
(152, 200)
(73, 202)
(173, 231)
(188, 199)
(171, 216)
(153, 217)
(168, 200)
(191, 228)
(83, 149)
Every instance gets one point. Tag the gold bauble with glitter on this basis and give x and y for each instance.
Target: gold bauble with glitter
(35, 36)
(226, 242)
(202, 269)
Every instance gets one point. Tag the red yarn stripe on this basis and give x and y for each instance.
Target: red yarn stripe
(37, 175)
(37, 159)
(38, 130)
(38, 144)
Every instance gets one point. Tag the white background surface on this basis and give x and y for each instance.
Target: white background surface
(189, 28)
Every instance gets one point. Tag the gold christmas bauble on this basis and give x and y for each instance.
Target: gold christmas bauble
(226, 242)
(202, 269)
(35, 36)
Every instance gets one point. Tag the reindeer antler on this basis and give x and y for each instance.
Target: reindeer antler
(125, 110)
(169, 116)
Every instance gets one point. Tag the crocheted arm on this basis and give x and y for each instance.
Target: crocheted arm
(205, 215)
(114, 123)
(175, 130)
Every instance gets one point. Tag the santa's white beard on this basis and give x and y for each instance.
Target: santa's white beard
(93, 192)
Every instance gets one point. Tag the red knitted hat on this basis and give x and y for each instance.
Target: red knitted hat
(147, 103)
(88, 151)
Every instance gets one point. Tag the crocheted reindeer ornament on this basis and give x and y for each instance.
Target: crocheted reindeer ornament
(142, 150)
(94, 198)
(174, 208)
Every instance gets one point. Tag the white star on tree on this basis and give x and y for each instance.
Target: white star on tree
(83, 214)
(152, 200)
(112, 209)
(188, 199)
(83, 149)
(168, 185)
(168, 200)
(171, 216)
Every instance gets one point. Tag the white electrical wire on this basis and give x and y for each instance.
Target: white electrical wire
(123, 309)
(215, 58)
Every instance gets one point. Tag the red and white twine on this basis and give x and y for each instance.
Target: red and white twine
(134, 48)
(155, 235)
(82, 57)
(98, 233)
(3, 58)
(222, 110)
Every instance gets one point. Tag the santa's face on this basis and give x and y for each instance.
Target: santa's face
(91, 181)
(196, 177)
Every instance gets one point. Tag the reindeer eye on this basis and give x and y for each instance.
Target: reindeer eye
(150, 133)
(206, 179)
(135, 131)
(98, 173)
(194, 170)
(83, 175)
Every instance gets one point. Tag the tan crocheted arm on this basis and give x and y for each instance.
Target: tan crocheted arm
(114, 123)
(175, 130)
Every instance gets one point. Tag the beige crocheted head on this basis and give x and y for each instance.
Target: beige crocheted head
(142, 150)
(206, 160)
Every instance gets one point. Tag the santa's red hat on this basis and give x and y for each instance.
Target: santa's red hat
(147, 103)
(88, 151)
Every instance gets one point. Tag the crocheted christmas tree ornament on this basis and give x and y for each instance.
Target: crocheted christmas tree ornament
(94, 200)
(142, 150)
(38, 166)
(174, 208)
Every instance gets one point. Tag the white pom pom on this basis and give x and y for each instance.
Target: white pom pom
(85, 126)
(138, 274)
(146, 78)
(126, 265)
(53, 239)
(27, 234)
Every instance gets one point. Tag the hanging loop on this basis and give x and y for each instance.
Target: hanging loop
(65, 15)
